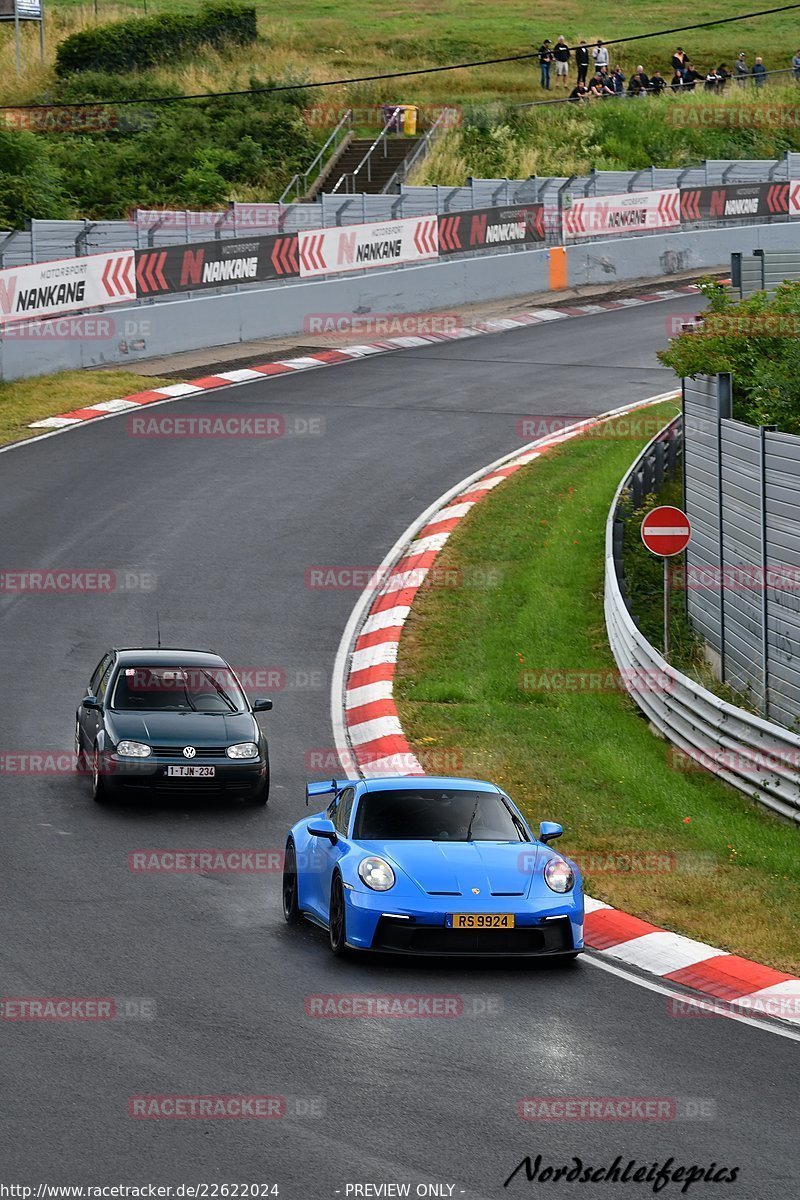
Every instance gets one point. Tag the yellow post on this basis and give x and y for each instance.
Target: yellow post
(558, 269)
(410, 120)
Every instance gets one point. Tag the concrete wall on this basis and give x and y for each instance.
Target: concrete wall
(148, 330)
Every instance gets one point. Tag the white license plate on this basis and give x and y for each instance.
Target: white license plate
(192, 772)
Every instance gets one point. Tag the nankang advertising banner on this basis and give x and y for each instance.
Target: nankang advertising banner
(359, 247)
(603, 216)
(50, 288)
(483, 228)
(201, 265)
(734, 202)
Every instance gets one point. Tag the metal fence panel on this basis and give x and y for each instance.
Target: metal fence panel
(743, 562)
(778, 265)
(740, 479)
(782, 503)
(701, 415)
(756, 756)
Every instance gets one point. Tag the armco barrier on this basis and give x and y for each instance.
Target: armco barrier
(755, 756)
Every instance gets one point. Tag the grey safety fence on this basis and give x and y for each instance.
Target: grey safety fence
(763, 270)
(758, 757)
(44, 241)
(743, 562)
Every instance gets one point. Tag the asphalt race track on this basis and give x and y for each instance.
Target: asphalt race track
(229, 528)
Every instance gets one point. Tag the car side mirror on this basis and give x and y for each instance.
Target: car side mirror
(91, 702)
(548, 830)
(262, 705)
(324, 829)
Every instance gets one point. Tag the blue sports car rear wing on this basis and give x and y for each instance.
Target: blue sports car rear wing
(328, 788)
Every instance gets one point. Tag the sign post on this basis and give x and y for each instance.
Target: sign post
(666, 532)
(23, 10)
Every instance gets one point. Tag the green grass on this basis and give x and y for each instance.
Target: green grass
(313, 40)
(48, 395)
(347, 38)
(584, 757)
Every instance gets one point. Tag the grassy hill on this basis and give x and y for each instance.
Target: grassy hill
(314, 40)
(322, 39)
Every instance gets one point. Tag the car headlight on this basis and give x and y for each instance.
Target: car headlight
(134, 749)
(376, 874)
(243, 750)
(558, 875)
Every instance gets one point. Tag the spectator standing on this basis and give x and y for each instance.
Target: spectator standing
(796, 65)
(723, 75)
(582, 61)
(561, 53)
(679, 61)
(600, 55)
(759, 73)
(658, 84)
(545, 61)
(740, 70)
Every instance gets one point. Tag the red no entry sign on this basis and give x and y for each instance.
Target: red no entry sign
(666, 531)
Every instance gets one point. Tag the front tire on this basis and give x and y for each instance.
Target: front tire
(337, 919)
(80, 757)
(291, 909)
(99, 787)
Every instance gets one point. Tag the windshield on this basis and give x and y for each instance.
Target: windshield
(177, 689)
(440, 816)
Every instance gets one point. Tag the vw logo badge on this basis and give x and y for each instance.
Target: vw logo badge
(189, 752)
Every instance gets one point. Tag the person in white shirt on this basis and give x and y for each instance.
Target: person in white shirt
(600, 55)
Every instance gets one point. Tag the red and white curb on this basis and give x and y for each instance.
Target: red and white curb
(323, 358)
(370, 741)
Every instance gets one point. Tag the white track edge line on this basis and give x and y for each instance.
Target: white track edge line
(338, 679)
(594, 957)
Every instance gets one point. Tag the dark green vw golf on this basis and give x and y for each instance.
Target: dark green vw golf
(170, 721)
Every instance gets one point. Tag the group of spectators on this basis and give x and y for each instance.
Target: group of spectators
(596, 78)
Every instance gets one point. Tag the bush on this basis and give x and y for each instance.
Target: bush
(31, 185)
(757, 341)
(191, 155)
(146, 42)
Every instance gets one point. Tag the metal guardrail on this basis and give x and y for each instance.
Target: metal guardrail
(382, 140)
(753, 755)
(297, 187)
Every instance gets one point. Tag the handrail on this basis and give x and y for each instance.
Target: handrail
(347, 119)
(756, 756)
(383, 136)
(421, 149)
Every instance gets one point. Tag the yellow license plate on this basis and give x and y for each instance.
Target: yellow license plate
(481, 921)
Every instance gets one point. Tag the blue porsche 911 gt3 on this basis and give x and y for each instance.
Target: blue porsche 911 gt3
(425, 865)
